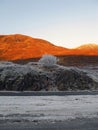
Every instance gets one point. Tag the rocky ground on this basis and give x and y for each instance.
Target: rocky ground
(35, 77)
(46, 112)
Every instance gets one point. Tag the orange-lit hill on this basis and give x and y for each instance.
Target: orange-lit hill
(90, 49)
(17, 47)
(13, 47)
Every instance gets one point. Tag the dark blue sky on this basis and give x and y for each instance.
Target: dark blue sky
(67, 23)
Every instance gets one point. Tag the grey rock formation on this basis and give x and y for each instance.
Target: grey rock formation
(29, 77)
(75, 80)
(19, 77)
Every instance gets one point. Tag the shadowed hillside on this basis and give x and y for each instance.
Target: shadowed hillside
(68, 60)
(78, 60)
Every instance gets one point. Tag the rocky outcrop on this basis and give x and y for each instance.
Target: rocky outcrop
(73, 79)
(19, 78)
(33, 77)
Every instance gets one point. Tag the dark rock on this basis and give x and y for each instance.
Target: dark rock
(14, 77)
(74, 80)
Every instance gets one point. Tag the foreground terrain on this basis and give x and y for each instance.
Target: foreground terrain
(78, 112)
(35, 77)
(74, 124)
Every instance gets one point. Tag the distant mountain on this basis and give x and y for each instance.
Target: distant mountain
(84, 55)
(13, 47)
(87, 49)
(17, 47)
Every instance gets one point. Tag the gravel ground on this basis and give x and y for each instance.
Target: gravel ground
(78, 112)
(53, 108)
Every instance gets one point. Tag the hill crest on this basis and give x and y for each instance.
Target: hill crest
(13, 47)
(89, 46)
(18, 46)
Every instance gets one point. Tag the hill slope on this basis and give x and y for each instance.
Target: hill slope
(87, 49)
(17, 47)
(13, 47)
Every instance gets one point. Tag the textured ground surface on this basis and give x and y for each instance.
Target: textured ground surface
(49, 112)
(48, 107)
(36, 77)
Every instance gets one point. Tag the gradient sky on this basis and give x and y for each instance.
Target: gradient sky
(67, 23)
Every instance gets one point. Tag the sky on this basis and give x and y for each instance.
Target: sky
(67, 23)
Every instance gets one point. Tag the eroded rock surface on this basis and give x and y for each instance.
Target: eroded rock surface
(34, 77)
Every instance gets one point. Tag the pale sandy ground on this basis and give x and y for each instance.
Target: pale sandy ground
(53, 108)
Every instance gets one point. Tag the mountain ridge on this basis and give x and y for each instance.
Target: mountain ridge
(18, 46)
